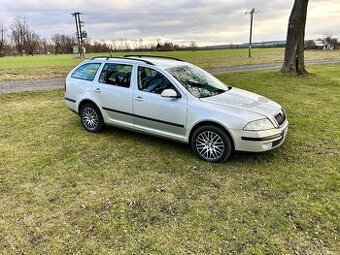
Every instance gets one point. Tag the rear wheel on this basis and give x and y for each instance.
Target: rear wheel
(211, 144)
(91, 118)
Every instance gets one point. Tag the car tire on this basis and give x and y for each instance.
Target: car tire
(211, 144)
(91, 118)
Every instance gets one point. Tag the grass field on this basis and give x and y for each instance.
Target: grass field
(66, 191)
(55, 66)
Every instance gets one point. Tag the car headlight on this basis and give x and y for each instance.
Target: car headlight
(258, 125)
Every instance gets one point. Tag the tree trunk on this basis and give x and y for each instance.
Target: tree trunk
(300, 56)
(294, 53)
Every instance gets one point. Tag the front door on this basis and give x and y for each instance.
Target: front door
(152, 112)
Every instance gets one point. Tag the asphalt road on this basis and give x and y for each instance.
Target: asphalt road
(29, 85)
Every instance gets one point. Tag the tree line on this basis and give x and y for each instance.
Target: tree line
(19, 39)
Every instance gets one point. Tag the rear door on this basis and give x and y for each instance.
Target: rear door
(113, 91)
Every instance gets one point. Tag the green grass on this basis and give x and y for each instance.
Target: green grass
(66, 191)
(55, 66)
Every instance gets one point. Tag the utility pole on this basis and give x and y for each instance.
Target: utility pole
(251, 29)
(81, 35)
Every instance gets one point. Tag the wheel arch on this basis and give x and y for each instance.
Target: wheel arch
(211, 123)
(85, 101)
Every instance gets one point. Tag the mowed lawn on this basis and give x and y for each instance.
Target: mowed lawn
(56, 66)
(67, 191)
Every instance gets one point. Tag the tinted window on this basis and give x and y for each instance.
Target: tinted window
(86, 72)
(116, 74)
(152, 81)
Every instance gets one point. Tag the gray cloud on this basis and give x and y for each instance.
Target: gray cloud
(216, 21)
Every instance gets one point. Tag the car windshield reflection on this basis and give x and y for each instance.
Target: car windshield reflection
(198, 82)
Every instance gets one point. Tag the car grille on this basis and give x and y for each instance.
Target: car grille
(280, 117)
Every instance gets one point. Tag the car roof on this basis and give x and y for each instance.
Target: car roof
(161, 62)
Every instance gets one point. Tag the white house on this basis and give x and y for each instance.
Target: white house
(322, 45)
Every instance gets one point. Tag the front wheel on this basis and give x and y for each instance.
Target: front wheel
(211, 144)
(91, 118)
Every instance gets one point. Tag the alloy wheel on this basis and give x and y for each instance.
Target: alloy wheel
(89, 118)
(210, 145)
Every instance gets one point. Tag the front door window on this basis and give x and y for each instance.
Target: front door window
(150, 80)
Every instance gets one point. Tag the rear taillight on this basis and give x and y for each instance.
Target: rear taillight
(65, 86)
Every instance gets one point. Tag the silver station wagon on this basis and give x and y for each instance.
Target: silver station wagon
(173, 99)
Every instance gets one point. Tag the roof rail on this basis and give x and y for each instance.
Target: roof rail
(143, 60)
(152, 56)
(99, 57)
(108, 57)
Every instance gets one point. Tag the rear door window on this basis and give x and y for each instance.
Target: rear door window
(86, 72)
(116, 74)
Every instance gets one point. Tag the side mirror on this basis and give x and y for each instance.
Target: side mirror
(170, 93)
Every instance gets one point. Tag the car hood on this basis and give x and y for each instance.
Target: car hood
(245, 100)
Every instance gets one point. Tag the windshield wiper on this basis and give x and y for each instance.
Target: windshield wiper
(214, 93)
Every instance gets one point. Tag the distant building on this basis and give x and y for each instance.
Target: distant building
(322, 45)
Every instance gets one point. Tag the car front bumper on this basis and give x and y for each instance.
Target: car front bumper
(258, 141)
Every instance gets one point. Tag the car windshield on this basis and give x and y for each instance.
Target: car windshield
(197, 81)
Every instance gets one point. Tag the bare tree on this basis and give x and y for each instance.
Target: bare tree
(2, 40)
(63, 43)
(140, 44)
(126, 44)
(294, 53)
(46, 46)
(135, 44)
(330, 42)
(32, 43)
(193, 45)
(25, 40)
(19, 30)
(97, 46)
(56, 39)
(121, 44)
(114, 45)
(310, 45)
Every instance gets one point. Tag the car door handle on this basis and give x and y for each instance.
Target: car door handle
(139, 99)
(97, 90)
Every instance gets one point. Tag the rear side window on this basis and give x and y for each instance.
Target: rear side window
(116, 74)
(86, 72)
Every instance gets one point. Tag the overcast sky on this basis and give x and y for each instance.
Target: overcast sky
(206, 22)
